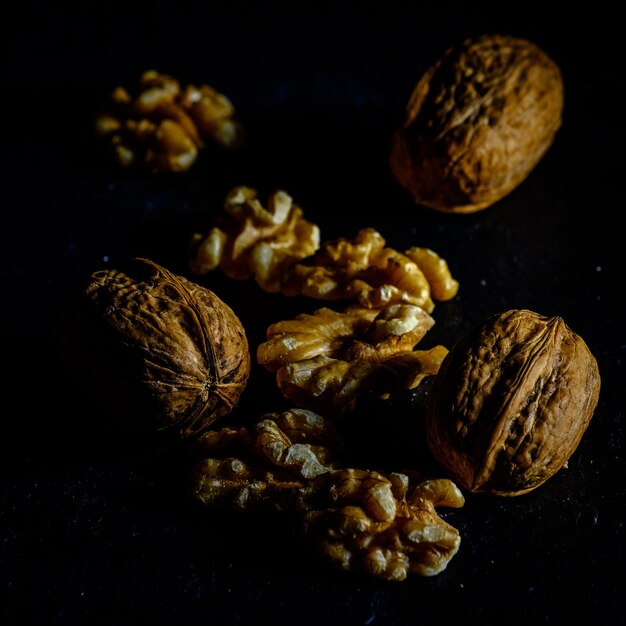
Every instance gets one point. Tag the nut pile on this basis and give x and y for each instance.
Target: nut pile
(327, 360)
(510, 401)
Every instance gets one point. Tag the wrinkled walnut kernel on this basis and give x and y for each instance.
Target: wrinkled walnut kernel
(374, 526)
(358, 519)
(250, 241)
(363, 269)
(326, 360)
(162, 127)
(264, 468)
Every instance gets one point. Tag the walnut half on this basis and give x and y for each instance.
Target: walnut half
(327, 360)
(366, 270)
(251, 241)
(375, 524)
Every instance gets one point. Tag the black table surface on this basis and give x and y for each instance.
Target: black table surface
(95, 524)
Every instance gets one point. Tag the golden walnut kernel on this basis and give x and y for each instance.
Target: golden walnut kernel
(359, 520)
(153, 350)
(364, 269)
(375, 524)
(162, 127)
(511, 403)
(326, 360)
(477, 123)
(264, 468)
(251, 241)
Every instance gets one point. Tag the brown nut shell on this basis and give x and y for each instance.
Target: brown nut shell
(153, 350)
(477, 123)
(511, 403)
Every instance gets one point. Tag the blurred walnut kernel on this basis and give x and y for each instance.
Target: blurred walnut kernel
(357, 519)
(163, 127)
(364, 269)
(327, 360)
(251, 241)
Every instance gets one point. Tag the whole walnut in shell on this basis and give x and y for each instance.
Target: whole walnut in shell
(511, 403)
(477, 123)
(153, 350)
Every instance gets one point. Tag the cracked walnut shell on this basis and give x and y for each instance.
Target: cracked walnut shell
(153, 350)
(478, 121)
(511, 403)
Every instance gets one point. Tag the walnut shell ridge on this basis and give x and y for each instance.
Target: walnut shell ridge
(153, 350)
(477, 123)
(511, 403)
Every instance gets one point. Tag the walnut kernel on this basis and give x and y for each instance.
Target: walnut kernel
(376, 525)
(359, 520)
(162, 128)
(251, 241)
(364, 269)
(327, 360)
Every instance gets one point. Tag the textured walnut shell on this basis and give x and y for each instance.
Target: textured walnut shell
(477, 123)
(511, 402)
(154, 350)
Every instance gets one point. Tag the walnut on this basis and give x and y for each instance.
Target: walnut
(363, 269)
(250, 241)
(373, 526)
(477, 123)
(266, 467)
(358, 519)
(162, 127)
(443, 286)
(326, 360)
(511, 403)
(153, 350)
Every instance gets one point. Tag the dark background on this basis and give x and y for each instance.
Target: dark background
(95, 527)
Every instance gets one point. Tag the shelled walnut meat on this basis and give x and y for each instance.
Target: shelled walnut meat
(162, 127)
(365, 269)
(511, 403)
(477, 123)
(385, 525)
(248, 240)
(328, 360)
(152, 350)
